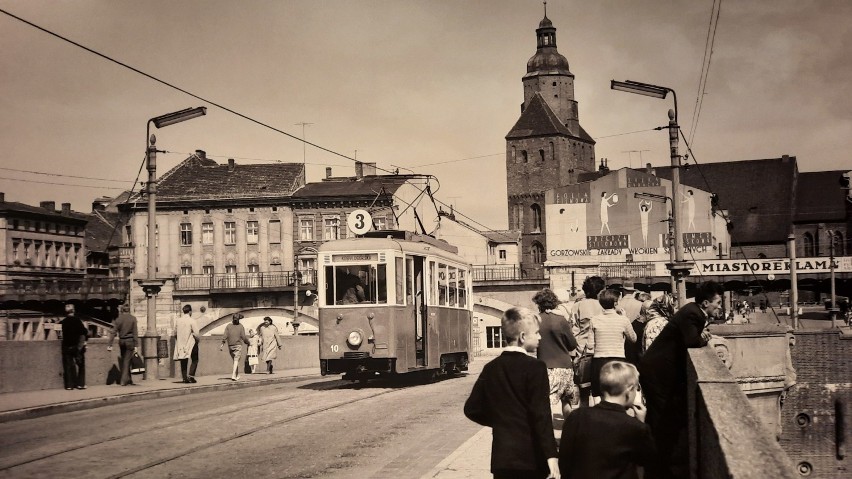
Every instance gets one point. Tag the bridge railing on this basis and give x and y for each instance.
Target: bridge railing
(504, 273)
(195, 282)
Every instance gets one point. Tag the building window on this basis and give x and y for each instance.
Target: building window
(331, 229)
(274, 232)
(252, 230)
(502, 254)
(253, 268)
(514, 154)
(128, 235)
(306, 229)
(185, 234)
(185, 270)
(493, 337)
(207, 270)
(537, 253)
(541, 154)
(230, 232)
(380, 223)
(491, 250)
(808, 243)
(524, 157)
(837, 241)
(536, 218)
(230, 269)
(206, 233)
(552, 151)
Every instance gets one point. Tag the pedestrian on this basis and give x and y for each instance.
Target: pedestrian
(126, 328)
(604, 441)
(581, 313)
(254, 344)
(186, 344)
(74, 337)
(609, 330)
(663, 378)
(556, 348)
(511, 397)
(271, 342)
(659, 314)
(631, 305)
(235, 337)
(633, 349)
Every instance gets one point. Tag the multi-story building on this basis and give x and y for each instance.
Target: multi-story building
(546, 147)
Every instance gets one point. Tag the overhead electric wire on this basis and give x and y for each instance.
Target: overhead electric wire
(182, 90)
(62, 184)
(705, 66)
(62, 175)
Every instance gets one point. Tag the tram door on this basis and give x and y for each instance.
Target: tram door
(416, 291)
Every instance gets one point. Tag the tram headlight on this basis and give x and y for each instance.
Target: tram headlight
(354, 339)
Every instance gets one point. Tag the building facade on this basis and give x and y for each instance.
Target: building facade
(546, 147)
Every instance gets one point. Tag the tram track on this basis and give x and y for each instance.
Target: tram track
(153, 427)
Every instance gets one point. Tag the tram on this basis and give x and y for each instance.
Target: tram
(393, 302)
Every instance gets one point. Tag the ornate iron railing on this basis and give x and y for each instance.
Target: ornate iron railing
(195, 282)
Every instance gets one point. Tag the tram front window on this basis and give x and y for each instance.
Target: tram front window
(356, 284)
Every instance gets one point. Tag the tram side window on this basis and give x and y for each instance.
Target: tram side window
(400, 294)
(329, 285)
(358, 284)
(442, 284)
(409, 281)
(453, 293)
(462, 289)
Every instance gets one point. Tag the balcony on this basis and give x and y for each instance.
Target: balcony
(63, 289)
(235, 282)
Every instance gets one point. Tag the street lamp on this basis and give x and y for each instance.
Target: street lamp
(678, 267)
(151, 285)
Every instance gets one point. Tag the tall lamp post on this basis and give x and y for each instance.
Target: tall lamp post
(678, 267)
(151, 285)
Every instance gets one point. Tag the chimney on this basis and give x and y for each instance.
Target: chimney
(231, 164)
(48, 205)
(369, 169)
(359, 170)
(66, 209)
(328, 172)
(649, 169)
(603, 168)
(2, 197)
(98, 206)
(201, 154)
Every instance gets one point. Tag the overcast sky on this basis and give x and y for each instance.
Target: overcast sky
(408, 83)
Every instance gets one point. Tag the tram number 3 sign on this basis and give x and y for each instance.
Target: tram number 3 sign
(359, 222)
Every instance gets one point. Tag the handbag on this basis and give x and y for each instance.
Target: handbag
(252, 360)
(583, 369)
(137, 366)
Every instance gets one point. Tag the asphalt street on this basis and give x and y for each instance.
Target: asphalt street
(318, 427)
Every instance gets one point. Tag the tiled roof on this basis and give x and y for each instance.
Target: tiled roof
(819, 197)
(200, 178)
(14, 206)
(103, 230)
(538, 119)
(502, 236)
(367, 187)
(758, 194)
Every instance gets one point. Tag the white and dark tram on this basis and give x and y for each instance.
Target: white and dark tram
(393, 302)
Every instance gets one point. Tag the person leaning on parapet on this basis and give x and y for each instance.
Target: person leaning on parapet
(74, 336)
(604, 441)
(663, 378)
(511, 397)
(125, 327)
(186, 344)
(235, 337)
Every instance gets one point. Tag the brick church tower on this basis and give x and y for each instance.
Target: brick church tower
(547, 147)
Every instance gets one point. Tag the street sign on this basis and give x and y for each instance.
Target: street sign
(359, 222)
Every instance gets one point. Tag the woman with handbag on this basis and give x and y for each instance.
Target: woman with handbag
(254, 344)
(555, 348)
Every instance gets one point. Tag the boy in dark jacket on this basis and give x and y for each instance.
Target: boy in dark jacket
(511, 396)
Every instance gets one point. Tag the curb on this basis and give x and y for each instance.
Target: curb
(84, 404)
(449, 460)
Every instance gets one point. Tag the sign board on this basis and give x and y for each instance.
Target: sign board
(763, 267)
(359, 222)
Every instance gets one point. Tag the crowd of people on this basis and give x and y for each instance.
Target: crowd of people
(261, 345)
(615, 360)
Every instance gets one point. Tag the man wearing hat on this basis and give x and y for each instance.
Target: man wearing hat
(628, 302)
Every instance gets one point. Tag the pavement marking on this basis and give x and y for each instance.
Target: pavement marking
(461, 450)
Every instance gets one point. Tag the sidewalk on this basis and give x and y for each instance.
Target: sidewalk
(31, 404)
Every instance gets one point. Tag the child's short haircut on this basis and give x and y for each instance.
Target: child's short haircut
(617, 376)
(608, 298)
(513, 322)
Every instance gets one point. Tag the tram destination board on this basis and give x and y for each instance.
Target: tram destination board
(355, 257)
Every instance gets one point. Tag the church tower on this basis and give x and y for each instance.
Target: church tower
(547, 147)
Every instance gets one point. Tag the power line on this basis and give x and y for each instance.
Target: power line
(62, 184)
(705, 66)
(175, 87)
(65, 176)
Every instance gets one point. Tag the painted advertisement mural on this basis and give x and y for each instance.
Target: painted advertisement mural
(623, 216)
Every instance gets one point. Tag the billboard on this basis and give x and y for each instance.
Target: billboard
(622, 216)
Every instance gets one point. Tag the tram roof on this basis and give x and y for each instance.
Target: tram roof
(393, 239)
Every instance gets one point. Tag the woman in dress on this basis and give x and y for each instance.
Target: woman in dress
(254, 344)
(555, 348)
(270, 341)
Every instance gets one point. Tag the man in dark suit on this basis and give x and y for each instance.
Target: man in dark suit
(663, 377)
(604, 442)
(511, 396)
